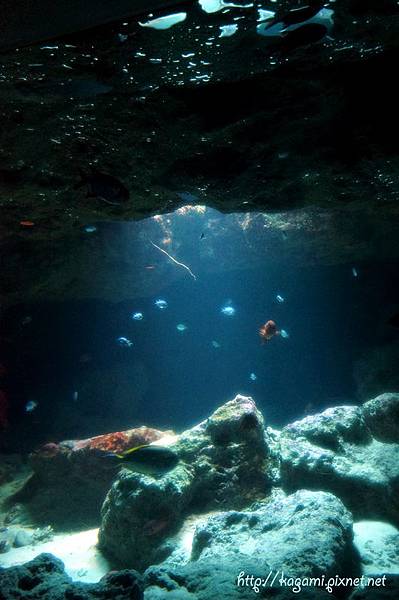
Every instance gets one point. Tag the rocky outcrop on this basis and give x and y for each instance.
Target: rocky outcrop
(140, 513)
(318, 523)
(75, 469)
(44, 578)
(223, 464)
(382, 417)
(304, 535)
(225, 517)
(352, 452)
(231, 456)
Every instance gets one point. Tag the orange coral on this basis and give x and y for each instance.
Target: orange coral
(119, 441)
(110, 442)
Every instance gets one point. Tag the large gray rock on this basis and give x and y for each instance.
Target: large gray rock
(223, 463)
(231, 456)
(303, 535)
(308, 534)
(381, 415)
(337, 451)
(140, 512)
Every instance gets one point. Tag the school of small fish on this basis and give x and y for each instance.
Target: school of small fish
(268, 332)
(228, 310)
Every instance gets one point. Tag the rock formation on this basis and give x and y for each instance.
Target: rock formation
(44, 578)
(75, 469)
(352, 452)
(248, 500)
(223, 464)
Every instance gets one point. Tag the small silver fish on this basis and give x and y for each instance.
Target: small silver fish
(30, 406)
(137, 316)
(229, 311)
(253, 377)
(75, 396)
(123, 341)
(161, 304)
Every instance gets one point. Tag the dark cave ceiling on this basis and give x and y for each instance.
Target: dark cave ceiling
(240, 122)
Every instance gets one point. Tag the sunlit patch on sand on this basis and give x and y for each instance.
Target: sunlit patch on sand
(78, 551)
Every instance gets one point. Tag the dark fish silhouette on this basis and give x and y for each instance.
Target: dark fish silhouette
(297, 15)
(149, 459)
(394, 320)
(104, 186)
(303, 36)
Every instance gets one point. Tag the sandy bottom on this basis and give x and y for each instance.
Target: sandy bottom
(78, 551)
(376, 542)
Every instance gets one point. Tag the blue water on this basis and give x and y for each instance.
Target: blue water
(67, 358)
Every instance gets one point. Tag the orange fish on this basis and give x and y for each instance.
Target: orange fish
(268, 331)
(26, 223)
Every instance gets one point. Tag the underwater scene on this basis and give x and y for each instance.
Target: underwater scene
(199, 300)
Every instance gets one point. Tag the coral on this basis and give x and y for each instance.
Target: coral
(119, 441)
(114, 442)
